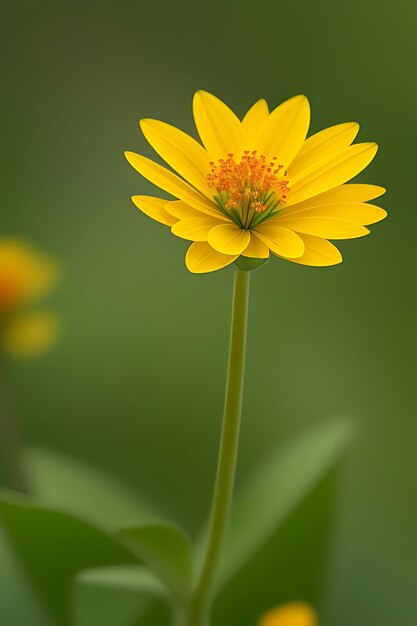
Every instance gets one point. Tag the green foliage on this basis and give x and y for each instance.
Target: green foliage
(114, 596)
(289, 566)
(276, 489)
(55, 546)
(69, 485)
(166, 550)
(18, 604)
(84, 573)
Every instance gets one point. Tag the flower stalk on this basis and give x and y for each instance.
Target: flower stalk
(11, 448)
(202, 594)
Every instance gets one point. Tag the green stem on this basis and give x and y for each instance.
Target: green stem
(201, 596)
(11, 448)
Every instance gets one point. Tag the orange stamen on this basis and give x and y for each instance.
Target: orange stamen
(248, 181)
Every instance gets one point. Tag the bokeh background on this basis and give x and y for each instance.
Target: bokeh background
(135, 386)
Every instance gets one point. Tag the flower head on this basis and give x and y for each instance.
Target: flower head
(291, 614)
(258, 186)
(25, 276)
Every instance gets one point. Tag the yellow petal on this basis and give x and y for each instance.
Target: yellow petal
(169, 182)
(31, 334)
(343, 193)
(341, 168)
(254, 120)
(322, 144)
(195, 228)
(357, 212)
(256, 249)
(284, 132)
(201, 258)
(326, 227)
(183, 211)
(185, 155)
(280, 240)
(318, 253)
(219, 128)
(229, 238)
(292, 614)
(154, 208)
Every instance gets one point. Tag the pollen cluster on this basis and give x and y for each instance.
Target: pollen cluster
(248, 186)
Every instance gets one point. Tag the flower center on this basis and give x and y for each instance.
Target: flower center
(248, 190)
(9, 291)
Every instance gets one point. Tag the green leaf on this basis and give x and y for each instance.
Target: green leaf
(276, 545)
(114, 596)
(17, 605)
(69, 485)
(290, 566)
(158, 614)
(54, 546)
(166, 550)
(277, 488)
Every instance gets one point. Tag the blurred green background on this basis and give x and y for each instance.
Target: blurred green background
(135, 387)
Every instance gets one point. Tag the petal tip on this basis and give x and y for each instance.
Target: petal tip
(200, 93)
(137, 200)
(139, 197)
(130, 156)
(149, 122)
(302, 99)
(262, 103)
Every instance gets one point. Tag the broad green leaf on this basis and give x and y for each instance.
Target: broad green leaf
(69, 485)
(276, 545)
(114, 596)
(54, 546)
(290, 566)
(158, 614)
(18, 606)
(277, 488)
(166, 550)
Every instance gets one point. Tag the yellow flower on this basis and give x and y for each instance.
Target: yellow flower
(292, 614)
(25, 277)
(258, 185)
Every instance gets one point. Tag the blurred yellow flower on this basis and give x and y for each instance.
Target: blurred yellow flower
(258, 186)
(25, 276)
(292, 614)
